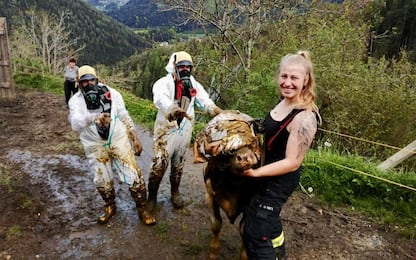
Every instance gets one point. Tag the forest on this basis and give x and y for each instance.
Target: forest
(394, 32)
(102, 39)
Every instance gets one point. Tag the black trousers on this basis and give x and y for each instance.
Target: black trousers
(262, 222)
(69, 90)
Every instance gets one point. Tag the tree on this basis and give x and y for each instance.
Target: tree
(236, 24)
(50, 39)
(396, 31)
(234, 30)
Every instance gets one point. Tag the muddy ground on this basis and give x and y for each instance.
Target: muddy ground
(49, 205)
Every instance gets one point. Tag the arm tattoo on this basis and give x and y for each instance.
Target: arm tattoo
(306, 133)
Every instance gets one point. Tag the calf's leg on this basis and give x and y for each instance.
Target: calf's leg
(216, 222)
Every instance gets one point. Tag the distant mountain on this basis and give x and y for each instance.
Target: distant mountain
(103, 4)
(107, 41)
(143, 14)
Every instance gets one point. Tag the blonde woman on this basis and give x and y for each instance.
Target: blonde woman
(290, 128)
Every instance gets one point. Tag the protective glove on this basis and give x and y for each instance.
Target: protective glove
(214, 110)
(102, 123)
(135, 141)
(177, 113)
(103, 120)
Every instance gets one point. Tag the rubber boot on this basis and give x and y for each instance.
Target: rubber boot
(177, 200)
(176, 197)
(153, 188)
(109, 207)
(139, 196)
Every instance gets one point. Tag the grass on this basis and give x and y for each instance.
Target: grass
(194, 250)
(6, 179)
(162, 229)
(355, 182)
(13, 231)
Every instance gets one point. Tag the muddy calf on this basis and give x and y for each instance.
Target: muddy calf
(229, 146)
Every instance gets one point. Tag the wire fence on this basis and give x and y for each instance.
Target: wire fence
(355, 171)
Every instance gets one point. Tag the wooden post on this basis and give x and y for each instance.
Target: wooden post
(6, 81)
(398, 157)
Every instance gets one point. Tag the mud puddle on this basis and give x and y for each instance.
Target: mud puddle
(74, 204)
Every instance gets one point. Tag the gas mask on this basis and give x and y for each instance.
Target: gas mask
(185, 78)
(91, 96)
(184, 74)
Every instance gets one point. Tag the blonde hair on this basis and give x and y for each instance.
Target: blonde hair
(308, 94)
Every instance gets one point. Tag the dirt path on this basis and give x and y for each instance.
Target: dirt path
(49, 205)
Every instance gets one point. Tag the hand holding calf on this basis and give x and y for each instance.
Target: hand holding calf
(177, 113)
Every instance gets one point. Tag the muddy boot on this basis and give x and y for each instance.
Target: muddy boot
(153, 188)
(109, 207)
(177, 200)
(139, 196)
(176, 197)
(145, 216)
(151, 201)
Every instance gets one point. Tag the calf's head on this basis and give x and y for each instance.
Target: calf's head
(245, 158)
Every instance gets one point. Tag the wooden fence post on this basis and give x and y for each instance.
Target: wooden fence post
(7, 88)
(398, 157)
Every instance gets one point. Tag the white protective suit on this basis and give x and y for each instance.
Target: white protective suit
(103, 154)
(163, 98)
(171, 140)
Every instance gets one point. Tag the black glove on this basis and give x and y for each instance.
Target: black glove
(258, 125)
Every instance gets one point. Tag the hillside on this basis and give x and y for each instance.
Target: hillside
(107, 41)
(102, 4)
(142, 14)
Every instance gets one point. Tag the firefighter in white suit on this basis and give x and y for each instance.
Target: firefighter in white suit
(175, 96)
(98, 113)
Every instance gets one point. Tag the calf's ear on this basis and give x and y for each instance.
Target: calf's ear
(214, 148)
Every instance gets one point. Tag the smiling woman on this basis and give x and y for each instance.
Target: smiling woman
(289, 130)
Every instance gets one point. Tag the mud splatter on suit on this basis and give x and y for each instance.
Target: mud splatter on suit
(104, 128)
(172, 137)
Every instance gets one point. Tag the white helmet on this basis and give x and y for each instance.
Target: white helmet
(183, 58)
(86, 73)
